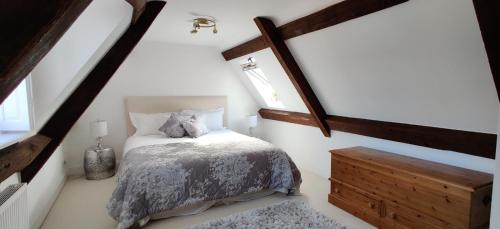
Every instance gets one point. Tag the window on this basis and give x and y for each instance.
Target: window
(15, 112)
(261, 83)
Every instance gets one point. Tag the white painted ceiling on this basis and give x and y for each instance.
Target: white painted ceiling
(234, 19)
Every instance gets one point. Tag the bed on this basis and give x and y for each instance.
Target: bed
(161, 177)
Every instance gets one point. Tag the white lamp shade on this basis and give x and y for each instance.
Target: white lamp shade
(252, 121)
(99, 129)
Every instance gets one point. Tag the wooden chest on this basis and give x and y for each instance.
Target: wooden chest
(393, 191)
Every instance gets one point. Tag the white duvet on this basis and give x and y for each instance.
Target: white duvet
(123, 198)
(212, 137)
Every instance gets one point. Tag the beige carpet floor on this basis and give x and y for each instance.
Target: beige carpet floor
(82, 204)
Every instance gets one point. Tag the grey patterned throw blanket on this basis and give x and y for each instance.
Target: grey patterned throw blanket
(157, 178)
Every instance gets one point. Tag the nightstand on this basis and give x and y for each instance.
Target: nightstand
(99, 162)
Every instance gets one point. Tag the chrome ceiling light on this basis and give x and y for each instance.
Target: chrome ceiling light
(250, 64)
(204, 22)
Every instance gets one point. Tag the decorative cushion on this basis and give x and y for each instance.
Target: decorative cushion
(173, 126)
(194, 127)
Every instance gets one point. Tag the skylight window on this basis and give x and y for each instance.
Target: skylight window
(261, 83)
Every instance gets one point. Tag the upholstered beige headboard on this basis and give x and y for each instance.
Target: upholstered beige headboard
(158, 104)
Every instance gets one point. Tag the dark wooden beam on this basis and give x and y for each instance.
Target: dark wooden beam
(288, 116)
(292, 69)
(139, 6)
(488, 16)
(30, 28)
(246, 48)
(473, 143)
(332, 15)
(70, 111)
(17, 156)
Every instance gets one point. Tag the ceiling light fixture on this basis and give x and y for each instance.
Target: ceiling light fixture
(204, 22)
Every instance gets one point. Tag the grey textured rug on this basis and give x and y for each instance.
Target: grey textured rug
(290, 214)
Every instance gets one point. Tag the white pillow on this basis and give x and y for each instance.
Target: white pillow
(148, 124)
(202, 120)
(213, 118)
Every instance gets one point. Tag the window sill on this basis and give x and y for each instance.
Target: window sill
(7, 139)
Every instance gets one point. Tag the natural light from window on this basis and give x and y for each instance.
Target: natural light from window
(261, 83)
(14, 111)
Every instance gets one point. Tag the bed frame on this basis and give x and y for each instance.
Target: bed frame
(158, 104)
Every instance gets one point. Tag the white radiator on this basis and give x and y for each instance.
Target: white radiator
(14, 207)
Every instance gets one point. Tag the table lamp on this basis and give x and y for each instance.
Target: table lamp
(99, 129)
(99, 162)
(252, 123)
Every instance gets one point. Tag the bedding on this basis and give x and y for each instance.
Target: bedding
(213, 118)
(159, 174)
(173, 126)
(148, 124)
(194, 127)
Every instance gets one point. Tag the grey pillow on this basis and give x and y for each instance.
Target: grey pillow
(173, 126)
(194, 127)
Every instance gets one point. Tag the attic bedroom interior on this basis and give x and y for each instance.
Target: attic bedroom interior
(342, 114)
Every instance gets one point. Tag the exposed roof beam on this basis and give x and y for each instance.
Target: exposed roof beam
(30, 28)
(139, 6)
(17, 156)
(292, 69)
(70, 111)
(488, 16)
(288, 116)
(473, 143)
(332, 15)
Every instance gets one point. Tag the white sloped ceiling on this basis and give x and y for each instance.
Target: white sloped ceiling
(421, 62)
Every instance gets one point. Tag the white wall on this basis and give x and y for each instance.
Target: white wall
(56, 76)
(310, 149)
(76, 53)
(45, 187)
(155, 68)
(394, 65)
(401, 66)
(495, 204)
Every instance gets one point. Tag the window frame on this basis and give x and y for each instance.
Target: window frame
(260, 82)
(25, 125)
